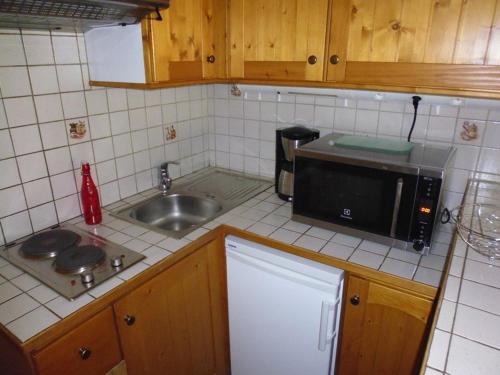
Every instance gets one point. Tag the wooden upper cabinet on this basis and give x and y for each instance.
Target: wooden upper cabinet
(172, 323)
(277, 39)
(383, 330)
(189, 44)
(423, 43)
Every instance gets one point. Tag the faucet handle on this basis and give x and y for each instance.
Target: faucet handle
(164, 165)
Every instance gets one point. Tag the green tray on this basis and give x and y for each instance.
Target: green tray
(389, 146)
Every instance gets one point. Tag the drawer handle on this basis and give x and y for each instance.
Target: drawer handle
(129, 319)
(312, 59)
(355, 300)
(334, 59)
(85, 353)
(211, 59)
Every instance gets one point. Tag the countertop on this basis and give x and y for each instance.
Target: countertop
(466, 336)
(28, 307)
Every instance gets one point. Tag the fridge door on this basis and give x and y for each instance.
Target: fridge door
(281, 321)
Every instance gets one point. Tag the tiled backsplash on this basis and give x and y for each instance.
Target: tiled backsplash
(43, 88)
(242, 134)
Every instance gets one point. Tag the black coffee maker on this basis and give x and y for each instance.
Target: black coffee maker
(287, 140)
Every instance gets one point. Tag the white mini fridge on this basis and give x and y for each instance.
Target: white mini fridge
(284, 311)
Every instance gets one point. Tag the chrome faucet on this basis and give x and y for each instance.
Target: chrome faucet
(165, 179)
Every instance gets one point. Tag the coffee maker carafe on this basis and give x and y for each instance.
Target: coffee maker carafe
(287, 140)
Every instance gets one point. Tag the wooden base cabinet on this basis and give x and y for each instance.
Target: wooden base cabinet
(172, 324)
(383, 330)
(92, 348)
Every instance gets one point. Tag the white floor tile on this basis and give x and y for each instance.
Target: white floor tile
(480, 296)
(446, 315)
(482, 273)
(468, 357)
(439, 349)
(478, 326)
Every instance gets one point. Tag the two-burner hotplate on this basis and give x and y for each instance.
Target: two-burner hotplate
(69, 260)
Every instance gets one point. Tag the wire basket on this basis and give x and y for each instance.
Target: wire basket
(479, 226)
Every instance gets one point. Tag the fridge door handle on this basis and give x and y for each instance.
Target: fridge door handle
(326, 325)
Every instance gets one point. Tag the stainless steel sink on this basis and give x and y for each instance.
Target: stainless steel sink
(175, 212)
(192, 201)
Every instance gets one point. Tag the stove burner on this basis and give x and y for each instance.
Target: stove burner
(48, 244)
(79, 258)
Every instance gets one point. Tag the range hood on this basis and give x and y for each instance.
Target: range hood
(79, 15)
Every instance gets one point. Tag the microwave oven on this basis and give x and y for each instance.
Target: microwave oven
(394, 199)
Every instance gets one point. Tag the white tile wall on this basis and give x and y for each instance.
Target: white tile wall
(42, 88)
(241, 130)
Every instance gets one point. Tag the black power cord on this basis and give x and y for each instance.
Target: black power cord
(416, 100)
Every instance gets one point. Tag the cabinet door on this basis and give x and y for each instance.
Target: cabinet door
(167, 325)
(189, 44)
(92, 348)
(277, 39)
(417, 43)
(383, 330)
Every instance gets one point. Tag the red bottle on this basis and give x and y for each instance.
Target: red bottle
(90, 198)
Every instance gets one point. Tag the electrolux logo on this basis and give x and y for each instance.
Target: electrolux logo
(346, 214)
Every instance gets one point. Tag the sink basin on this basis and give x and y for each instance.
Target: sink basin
(175, 212)
(193, 201)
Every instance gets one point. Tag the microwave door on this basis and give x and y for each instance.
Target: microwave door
(368, 199)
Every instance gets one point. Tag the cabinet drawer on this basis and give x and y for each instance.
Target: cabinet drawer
(91, 348)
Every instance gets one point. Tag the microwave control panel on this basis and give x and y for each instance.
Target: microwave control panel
(425, 211)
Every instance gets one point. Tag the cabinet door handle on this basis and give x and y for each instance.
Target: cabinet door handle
(312, 59)
(334, 59)
(84, 353)
(211, 59)
(129, 319)
(355, 300)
